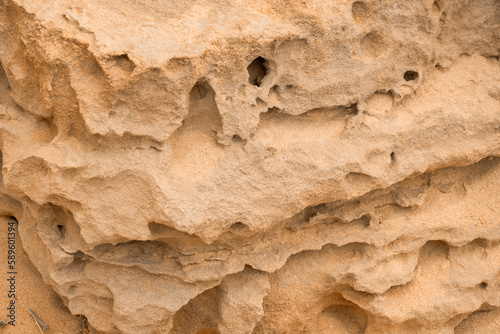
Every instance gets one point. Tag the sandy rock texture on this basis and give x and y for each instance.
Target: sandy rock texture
(277, 166)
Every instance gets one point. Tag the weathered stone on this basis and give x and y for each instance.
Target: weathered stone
(257, 167)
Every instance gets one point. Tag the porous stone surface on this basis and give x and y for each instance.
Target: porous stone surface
(257, 166)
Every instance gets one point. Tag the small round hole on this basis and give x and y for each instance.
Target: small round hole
(410, 75)
(256, 71)
(483, 285)
(62, 229)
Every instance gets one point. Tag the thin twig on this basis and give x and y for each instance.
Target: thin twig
(38, 321)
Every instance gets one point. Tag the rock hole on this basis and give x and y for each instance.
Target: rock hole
(483, 285)
(124, 62)
(348, 318)
(157, 229)
(79, 255)
(199, 91)
(393, 157)
(238, 139)
(275, 92)
(238, 227)
(410, 75)
(257, 71)
(352, 109)
(312, 211)
(481, 242)
(47, 130)
(364, 220)
(62, 230)
(443, 17)
(196, 151)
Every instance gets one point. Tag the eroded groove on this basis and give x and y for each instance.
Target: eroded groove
(257, 167)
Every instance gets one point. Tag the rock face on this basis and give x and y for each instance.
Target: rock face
(257, 166)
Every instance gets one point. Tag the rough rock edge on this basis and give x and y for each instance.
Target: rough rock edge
(196, 278)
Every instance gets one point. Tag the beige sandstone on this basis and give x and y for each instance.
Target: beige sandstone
(257, 166)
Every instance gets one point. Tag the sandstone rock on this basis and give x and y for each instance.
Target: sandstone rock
(241, 301)
(257, 167)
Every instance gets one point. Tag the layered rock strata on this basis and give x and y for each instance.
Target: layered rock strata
(257, 167)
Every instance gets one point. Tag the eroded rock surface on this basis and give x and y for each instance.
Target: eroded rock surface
(257, 167)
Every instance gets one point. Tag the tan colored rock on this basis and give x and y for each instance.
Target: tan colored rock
(379, 104)
(257, 167)
(240, 304)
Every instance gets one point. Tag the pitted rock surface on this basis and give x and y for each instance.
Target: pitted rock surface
(257, 166)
